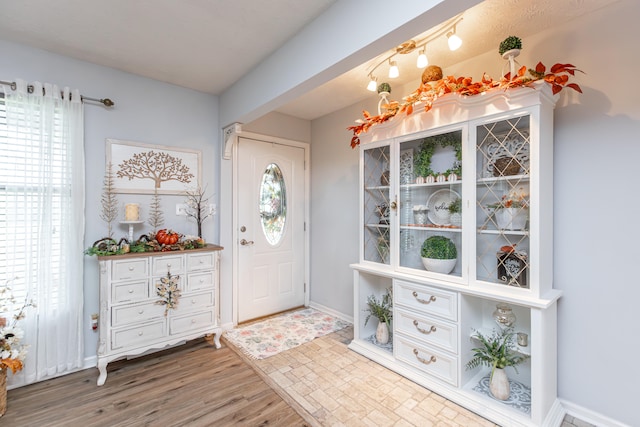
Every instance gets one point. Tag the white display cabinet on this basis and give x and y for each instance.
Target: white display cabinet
(471, 182)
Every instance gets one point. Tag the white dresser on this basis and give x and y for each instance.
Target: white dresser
(132, 318)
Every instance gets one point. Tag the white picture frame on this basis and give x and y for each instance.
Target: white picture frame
(127, 159)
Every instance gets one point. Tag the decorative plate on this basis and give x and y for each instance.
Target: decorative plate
(438, 205)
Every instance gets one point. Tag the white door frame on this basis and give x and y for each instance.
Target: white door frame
(230, 150)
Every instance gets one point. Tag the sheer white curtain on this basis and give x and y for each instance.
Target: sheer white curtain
(42, 229)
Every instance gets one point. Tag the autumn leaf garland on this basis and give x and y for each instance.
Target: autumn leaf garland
(557, 77)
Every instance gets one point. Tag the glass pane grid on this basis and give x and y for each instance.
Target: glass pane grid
(502, 202)
(376, 205)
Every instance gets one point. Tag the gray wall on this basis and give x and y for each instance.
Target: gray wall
(145, 111)
(596, 204)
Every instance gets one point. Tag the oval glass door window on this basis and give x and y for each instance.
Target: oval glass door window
(273, 204)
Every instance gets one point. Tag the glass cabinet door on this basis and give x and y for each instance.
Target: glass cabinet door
(502, 202)
(429, 196)
(377, 204)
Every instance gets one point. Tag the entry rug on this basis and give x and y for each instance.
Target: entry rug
(277, 334)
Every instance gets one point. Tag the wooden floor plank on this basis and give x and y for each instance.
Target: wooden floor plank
(190, 385)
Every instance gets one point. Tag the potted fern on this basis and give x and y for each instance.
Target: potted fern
(382, 310)
(497, 352)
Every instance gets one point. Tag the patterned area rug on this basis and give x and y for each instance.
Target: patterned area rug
(271, 336)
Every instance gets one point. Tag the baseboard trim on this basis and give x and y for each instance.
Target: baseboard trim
(331, 311)
(589, 416)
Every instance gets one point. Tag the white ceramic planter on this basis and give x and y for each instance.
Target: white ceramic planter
(444, 266)
(382, 333)
(511, 218)
(499, 384)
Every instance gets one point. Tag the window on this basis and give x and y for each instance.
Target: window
(273, 204)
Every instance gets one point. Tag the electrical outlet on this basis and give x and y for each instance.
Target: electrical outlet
(181, 209)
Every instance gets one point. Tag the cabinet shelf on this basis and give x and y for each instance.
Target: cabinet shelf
(432, 184)
(508, 178)
(519, 399)
(502, 231)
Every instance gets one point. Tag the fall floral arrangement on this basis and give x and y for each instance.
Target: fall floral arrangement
(516, 199)
(169, 292)
(428, 93)
(12, 351)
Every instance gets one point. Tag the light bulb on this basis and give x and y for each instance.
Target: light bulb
(454, 41)
(372, 86)
(422, 60)
(393, 71)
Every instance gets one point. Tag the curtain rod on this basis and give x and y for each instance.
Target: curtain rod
(104, 101)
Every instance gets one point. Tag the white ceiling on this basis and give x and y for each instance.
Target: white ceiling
(207, 45)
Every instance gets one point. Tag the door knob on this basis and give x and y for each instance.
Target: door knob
(245, 242)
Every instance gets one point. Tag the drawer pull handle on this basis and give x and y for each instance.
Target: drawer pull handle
(168, 265)
(193, 321)
(131, 268)
(193, 301)
(130, 291)
(201, 280)
(201, 261)
(431, 299)
(140, 311)
(424, 331)
(431, 360)
(140, 333)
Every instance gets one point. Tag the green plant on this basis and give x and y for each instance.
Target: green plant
(384, 87)
(422, 160)
(496, 351)
(456, 206)
(380, 309)
(511, 42)
(439, 247)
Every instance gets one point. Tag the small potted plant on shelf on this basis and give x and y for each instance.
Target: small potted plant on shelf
(512, 211)
(497, 352)
(382, 310)
(455, 209)
(439, 254)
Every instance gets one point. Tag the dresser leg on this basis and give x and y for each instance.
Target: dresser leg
(102, 367)
(216, 339)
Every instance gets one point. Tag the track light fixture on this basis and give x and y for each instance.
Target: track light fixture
(448, 28)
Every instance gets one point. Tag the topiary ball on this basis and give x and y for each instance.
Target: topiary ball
(384, 87)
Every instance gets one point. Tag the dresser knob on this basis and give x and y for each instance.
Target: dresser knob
(168, 265)
(140, 333)
(193, 320)
(201, 280)
(130, 291)
(140, 311)
(193, 301)
(201, 261)
(131, 268)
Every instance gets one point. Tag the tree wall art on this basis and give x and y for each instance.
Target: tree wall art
(140, 168)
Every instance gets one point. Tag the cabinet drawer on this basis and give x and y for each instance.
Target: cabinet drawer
(427, 359)
(430, 330)
(205, 261)
(178, 325)
(131, 291)
(136, 313)
(426, 299)
(135, 336)
(198, 281)
(194, 301)
(162, 265)
(129, 269)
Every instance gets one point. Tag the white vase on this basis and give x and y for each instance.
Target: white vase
(499, 384)
(511, 218)
(444, 266)
(382, 333)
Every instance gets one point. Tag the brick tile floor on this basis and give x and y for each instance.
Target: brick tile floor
(331, 385)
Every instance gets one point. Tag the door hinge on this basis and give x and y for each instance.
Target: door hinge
(305, 287)
(305, 226)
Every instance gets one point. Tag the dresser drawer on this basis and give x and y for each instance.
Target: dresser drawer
(426, 359)
(136, 313)
(202, 261)
(426, 299)
(164, 264)
(194, 301)
(430, 330)
(129, 269)
(198, 281)
(130, 291)
(137, 335)
(178, 325)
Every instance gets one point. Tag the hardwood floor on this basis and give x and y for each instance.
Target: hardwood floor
(190, 385)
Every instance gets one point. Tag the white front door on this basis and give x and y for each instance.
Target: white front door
(271, 228)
